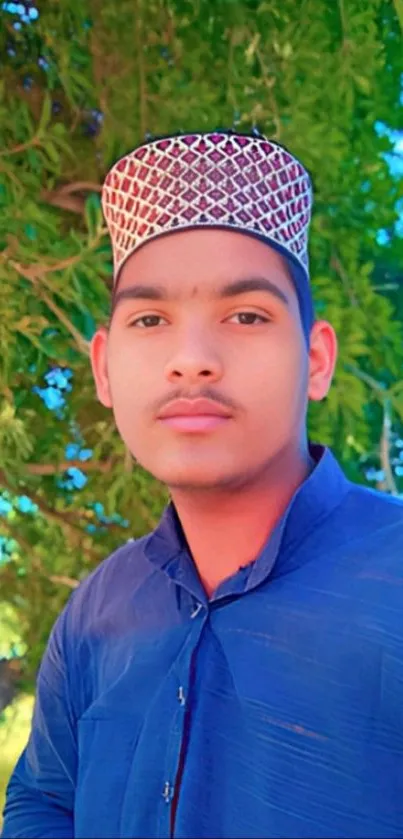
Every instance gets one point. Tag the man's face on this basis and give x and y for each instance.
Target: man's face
(246, 351)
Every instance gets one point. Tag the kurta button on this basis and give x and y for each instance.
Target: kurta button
(168, 792)
(196, 610)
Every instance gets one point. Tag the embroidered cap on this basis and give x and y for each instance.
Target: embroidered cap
(239, 182)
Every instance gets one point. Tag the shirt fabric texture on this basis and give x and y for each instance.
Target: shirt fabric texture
(281, 695)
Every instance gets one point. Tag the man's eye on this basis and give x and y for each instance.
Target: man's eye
(146, 321)
(246, 319)
(249, 318)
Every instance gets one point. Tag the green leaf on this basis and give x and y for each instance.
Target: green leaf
(45, 115)
(399, 11)
(93, 214)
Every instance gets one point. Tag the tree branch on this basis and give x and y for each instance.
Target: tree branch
(21, 147)
(385, 450)
(80, 186)
(365, 377)
(13, 534)
(141, 68)
(64, 581)
(73, 532)
(64, 202)
(56, 468)
(269, 83)
(36, 561)
(384, 445)
(340, 270)
(399, 12)
(33, 275)
(65, 197)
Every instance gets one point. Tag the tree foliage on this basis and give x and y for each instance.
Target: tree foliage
(82, 83)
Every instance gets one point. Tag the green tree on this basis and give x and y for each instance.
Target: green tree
(82, 83)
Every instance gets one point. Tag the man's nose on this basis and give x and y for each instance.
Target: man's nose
(193, 360)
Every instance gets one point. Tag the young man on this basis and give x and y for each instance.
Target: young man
(238, 672)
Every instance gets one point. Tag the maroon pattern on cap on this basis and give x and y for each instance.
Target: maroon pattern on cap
(238, 182)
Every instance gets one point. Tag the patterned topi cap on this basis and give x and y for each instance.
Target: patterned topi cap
(240, 182)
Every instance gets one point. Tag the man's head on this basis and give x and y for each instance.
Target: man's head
(190, 338)
(211, 299)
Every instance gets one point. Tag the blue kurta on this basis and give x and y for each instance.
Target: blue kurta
(281, 697)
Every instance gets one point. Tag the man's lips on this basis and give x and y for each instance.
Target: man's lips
(195, 415)
(195, 423)
(192, 408)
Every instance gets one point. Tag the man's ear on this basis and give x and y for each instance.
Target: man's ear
(98, 355)
(322, 360)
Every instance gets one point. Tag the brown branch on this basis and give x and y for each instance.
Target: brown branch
(340, 270)
(33, 275)
(230, 64)
(99, 64)
(64, 202)
(21, 147)
(385, 450)
(83, 345)
(65, 198)
(369, 380)
(73, 532)
(384, 445)
(10, 174)
(55, 468)
(128, 461)
(67, 520)
(269, 84)
(141, 67)
(35, 271)
(36, 561)
(12, 532)
(80, 186)
(65, 581)
(399, 12)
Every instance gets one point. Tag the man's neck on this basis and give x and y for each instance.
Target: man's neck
(226, 530)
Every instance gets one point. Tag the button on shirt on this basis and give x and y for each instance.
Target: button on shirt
(277, 704)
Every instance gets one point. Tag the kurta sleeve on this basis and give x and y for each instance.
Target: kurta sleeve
(40, 793)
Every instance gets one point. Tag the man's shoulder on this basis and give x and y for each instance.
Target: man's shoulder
(371, 523)
(116, 578)
(375, 507)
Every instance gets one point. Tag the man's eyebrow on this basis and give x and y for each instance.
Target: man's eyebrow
(248, 284)
(232, 289)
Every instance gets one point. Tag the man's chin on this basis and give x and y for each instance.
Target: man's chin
(192, 480)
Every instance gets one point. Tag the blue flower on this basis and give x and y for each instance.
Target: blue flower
(4, 557)
(52, 397)
(5, 550)
(30, 230)
(25, 505)
(5, 506)
(375, 475)
(91, 528)
(59, 378)
(78, 478)
(72, 450)
(85, 454)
